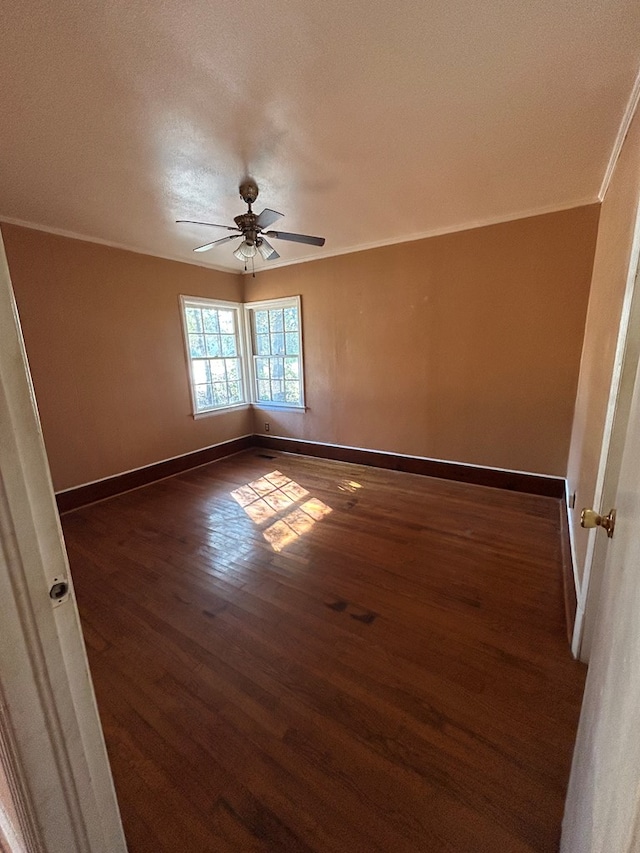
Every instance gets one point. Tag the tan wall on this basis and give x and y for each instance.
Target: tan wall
(610, 269)
(462, 347)
(104, 341)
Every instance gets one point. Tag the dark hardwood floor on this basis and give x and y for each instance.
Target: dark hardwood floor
(339, 659)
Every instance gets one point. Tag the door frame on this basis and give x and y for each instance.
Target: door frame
(51, 743)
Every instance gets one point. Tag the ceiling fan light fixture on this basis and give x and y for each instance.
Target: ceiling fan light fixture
(245, 251)
(266, 250)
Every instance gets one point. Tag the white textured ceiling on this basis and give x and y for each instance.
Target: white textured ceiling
(364, 122)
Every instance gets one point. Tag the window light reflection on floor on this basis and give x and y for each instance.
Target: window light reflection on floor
(349, 486)
(275, 493)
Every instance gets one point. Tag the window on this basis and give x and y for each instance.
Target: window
(213, 340)
(222, 374)
(275, 332)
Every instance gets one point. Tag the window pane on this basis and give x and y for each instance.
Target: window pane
(277, 344)
(264, 392)
(228, 344)
(204, 397)
(261, 322)
(262, 368)
(196, 346)
(291, 368)
(262, 343)
(227, 326)
(233, 369)
(217, 370)
(210, 318)
(277, 368)
(213, 345)
(220, 395)
(291, 319)
(214, 355)
(194, 320)
(277, 391)
(275, 320)
(293, 343)
(292, 392)
(201, 372)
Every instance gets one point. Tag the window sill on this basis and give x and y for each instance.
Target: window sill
(267, 407)
(221, 411)
(274, 407)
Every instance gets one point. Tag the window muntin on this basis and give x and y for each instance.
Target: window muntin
(275, 334)
(214, 349)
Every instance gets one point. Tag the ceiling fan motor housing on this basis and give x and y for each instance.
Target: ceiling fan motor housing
(247, 223)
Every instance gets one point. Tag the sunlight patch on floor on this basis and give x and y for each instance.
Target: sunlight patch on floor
(275, 493)
(349, 486)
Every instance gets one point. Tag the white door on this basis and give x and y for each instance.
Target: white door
(602, 812)
(51, 746)
(622, 381)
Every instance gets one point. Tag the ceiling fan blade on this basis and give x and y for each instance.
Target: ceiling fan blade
(267, 251)
(208, 246)
(212, 224)
(267, 218)
(297, 238)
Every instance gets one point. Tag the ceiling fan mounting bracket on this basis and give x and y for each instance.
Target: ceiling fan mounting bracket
(248, 191)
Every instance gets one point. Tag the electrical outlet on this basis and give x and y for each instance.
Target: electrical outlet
(267, 427)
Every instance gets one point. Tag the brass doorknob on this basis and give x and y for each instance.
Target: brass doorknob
(590, 518)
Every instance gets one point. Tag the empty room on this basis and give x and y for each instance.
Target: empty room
(320, 420)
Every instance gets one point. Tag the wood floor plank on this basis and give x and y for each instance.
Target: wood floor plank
(335, 658)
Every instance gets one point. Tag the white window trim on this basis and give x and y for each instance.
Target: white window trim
(279, 407)
(247, 385)
(265, 305)
(222, 410)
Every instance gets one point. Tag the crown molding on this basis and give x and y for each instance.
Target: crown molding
(627, 118)
(434, 232)
(73, 235)
(349, 250)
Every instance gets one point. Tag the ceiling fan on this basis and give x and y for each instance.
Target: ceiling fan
(251, 227)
